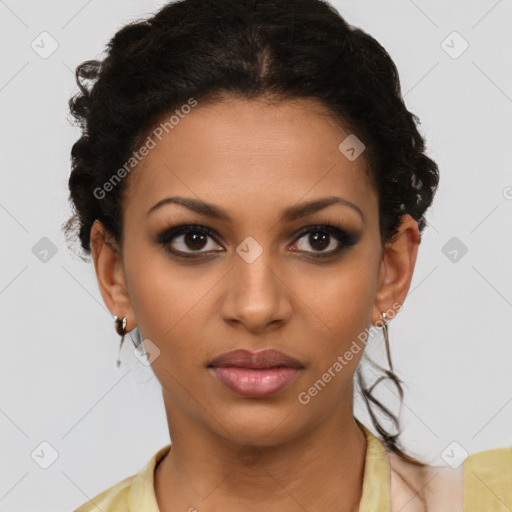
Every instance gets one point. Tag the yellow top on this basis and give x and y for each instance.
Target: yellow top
(483, 483)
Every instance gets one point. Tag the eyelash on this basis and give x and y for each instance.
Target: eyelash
(345, 238)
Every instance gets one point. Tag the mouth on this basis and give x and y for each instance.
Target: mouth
(256, 374)
(264, 359)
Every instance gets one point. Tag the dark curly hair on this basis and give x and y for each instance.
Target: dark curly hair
(209, 49)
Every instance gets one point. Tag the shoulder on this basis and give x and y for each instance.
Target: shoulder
(482, 483)
(135, 493)
(114, 498)
(488, 480)
(415, 488)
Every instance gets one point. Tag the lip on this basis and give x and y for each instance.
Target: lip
(267, 358)
(256, 383)
(255, 374)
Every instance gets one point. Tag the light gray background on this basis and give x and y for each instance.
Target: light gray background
(451, 343)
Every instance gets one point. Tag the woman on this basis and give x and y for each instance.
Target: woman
(252, 190)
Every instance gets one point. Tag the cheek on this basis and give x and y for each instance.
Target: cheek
(336, 314)
(172, 308)
(342, 298)
(155, 293)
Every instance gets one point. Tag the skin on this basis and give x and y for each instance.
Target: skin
(254, 160)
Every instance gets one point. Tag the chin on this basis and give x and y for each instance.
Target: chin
(260, 425)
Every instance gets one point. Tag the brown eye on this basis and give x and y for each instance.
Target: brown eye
(318, 240)
(324, 240)
(194, 241)
(188, 240)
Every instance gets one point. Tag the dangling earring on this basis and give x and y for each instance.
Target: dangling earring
(386, 339)
(120, 325)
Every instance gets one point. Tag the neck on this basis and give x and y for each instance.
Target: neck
(321, 470)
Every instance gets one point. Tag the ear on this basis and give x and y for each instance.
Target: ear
(396, 270)
(110, 274)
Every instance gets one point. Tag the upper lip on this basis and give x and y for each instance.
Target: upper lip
(267, 358)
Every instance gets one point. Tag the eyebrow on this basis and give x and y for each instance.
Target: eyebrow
(289, 214)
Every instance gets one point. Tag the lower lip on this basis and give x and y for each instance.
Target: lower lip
(255, 382)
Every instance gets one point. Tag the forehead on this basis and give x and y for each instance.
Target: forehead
(249, 152)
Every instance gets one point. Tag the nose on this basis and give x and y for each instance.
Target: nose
(257, 297)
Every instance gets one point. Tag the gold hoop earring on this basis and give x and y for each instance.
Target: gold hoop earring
(386, 339)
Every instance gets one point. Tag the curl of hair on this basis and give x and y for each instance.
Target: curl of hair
(207, 49)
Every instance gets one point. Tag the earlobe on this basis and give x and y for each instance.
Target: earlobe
(397, 267)
(109, 273)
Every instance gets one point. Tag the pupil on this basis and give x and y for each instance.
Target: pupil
(321, 240)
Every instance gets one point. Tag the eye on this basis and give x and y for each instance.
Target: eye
(325, 240)
(186, 240)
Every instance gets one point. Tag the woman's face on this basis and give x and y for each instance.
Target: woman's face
(260, 275)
